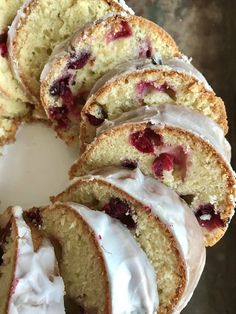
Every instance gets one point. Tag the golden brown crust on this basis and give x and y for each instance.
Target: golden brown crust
(190, 83)
(64, 196)
(81, 167)
(88, 230)
(10, 135)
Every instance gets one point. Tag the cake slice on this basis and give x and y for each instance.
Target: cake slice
(131, 86)
(29, 278)
(74, 68)
(160, 222)
(39, 26)
(104, 269)
(184, 149)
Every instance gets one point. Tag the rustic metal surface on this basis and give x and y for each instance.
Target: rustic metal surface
(205, 30)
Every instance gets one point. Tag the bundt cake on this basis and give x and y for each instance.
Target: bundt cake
(29, 275)
(184, 149)
(40, 25)
(10, 91)
(163, 225)
(135, 85)
(87, 55)
(103, 268)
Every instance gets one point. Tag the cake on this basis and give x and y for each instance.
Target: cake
(75, 66)
(103, 268)
(10, 91)
(29, 278)
(184, 149)
(39, 26)
(175, 81)
(161, 223)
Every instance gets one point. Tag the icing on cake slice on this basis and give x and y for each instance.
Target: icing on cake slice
(162, 224)
(104, 269)
(137, 84)
(30, 280)
(184, 149)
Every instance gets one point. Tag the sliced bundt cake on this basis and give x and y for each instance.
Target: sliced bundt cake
(138, 85)
(163, 225)
(184, 149)
(29, 277)
(40, 25)
(75, 67)
(103, 268)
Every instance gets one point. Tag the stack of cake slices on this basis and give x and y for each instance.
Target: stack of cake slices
(153, 185)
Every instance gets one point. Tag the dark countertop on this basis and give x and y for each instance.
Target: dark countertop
(205, 30)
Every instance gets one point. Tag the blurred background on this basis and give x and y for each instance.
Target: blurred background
(205, 30)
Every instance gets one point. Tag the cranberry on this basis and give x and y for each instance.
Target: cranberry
(145, 49)
(79, 61)
(124, 32)
(119, 209)
(145, 141)
(67, 98)
(144, 87)
(3, 50)
(60, 86)
(208, 218)
(163, 162)
(3, 45)
(34, 217)
(59, 114)
(130, 164)
(94, 120)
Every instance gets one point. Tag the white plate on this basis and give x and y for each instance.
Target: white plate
(34, 167)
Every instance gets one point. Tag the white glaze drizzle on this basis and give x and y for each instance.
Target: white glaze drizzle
(131, 277)
(180, 65)
(178, 217)
(36, 286)
(180, 117)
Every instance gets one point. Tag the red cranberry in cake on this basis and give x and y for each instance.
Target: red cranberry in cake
(60, 116)
(59, 87)
(208, 218)
(145, 49)
(145, 87)
(145, 141)
(123, 30)
(164, 162)
(120, 209)
(129, 164)
(79, 61)
(3, 45)
(97, 121)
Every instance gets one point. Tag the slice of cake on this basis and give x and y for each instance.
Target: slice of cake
(185, 150)
(29, 277)
(40, 25)
(75, 66)
(103, 268)
(175, 81)
(161, 223)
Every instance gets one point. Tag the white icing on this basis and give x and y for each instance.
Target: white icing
(180, 117)
(123, 4)
(183, 65)
(178, 217)
(180, 65)
(36, 286)
(131, 277)
(34, 167)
